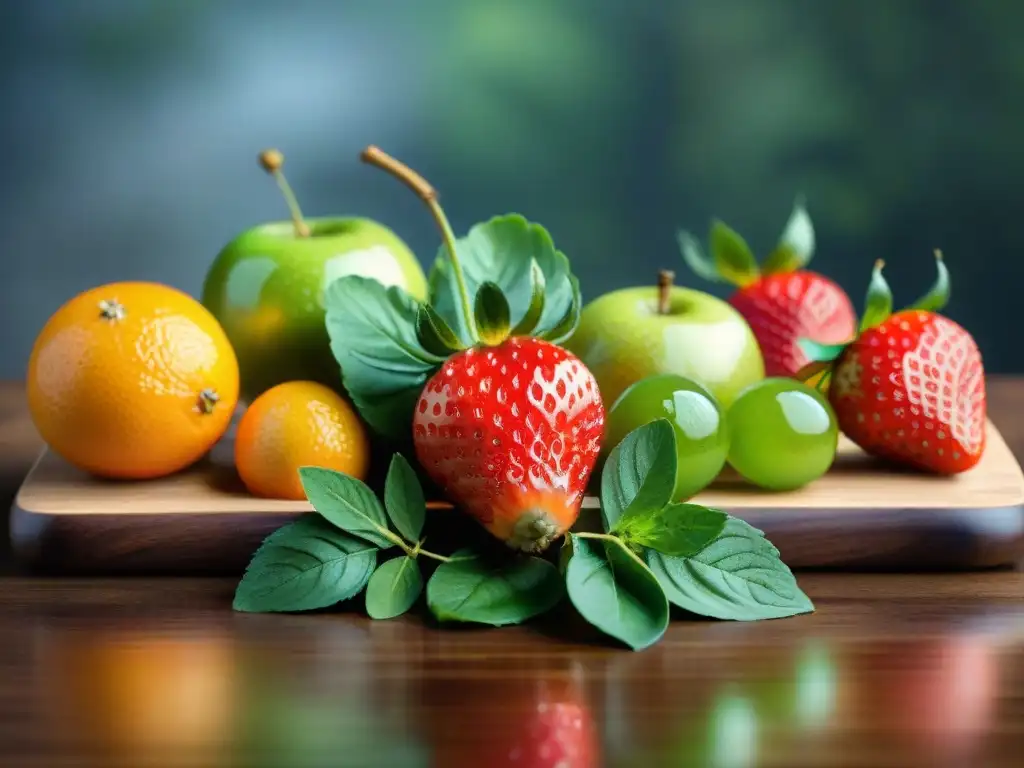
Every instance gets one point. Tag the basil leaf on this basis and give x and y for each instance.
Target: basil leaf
(678, 529)
(403, 498)
(796, 245)
(470, 589)
(640, 471)
(393, 588)
(305, 565)
(503, 250)
(491, 311)
(739, 576)
(733, 258)
(347, 503)
(384, 366)
(615, 592)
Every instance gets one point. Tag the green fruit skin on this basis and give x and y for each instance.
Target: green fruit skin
(622, 339)
(702, 436)
(266, 287)
(783, 434)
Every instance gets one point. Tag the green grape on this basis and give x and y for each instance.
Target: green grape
(783, 434)
(702, 438)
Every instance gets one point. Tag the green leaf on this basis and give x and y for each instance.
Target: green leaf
(503, 250)
(383, 364)
(938, 295)
(492, 314)
(565, 327)
(434, 334)
(403, 498)
(471, 589)
(393, 588)
(820, 353)
(678, 529)
(733, 258)
(528, 322)
(305, 565)
(347, 503)
(696, 259)
(796, 245)
(878, 303)
(614, 591)
(739, 576)
(640, 471)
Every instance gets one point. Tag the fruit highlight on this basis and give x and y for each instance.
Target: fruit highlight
(911, 387)
(781, 300)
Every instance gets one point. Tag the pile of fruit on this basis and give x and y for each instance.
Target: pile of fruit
(492, 385)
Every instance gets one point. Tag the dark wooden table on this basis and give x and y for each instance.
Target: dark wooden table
(890, 671)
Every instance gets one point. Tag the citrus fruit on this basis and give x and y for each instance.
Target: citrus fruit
(298, 424)
(132, 380)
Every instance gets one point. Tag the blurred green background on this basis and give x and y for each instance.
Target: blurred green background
(131, 127)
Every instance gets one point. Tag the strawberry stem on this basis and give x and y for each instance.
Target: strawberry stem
(423, 189)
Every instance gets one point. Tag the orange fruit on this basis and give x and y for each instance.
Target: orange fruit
(132, 380)
(298, 424)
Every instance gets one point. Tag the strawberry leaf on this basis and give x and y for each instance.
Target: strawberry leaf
(677, 529)
(348, 503)
(938, 295)
(403, 499)
(819, 353)
(615, 592)
(739, 576)
(796, 245)
(640, 473)
(470, 588)
(528, 323)
(434, 333)
(503, 251)
(696, 259)
(384, 366)
(305, 565)
(567, 325)
(878, 303)
(732, 256)
(491, 312)
(393, 588)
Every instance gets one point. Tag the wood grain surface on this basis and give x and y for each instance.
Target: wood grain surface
(890, 671)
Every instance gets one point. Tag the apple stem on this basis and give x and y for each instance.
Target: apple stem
(423, 189)
(272, 160)
(665, 278)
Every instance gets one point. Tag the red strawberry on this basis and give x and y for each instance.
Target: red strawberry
(911, 387)
(511, 434)
(781, 301)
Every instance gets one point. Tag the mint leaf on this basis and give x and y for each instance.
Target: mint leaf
(678, 529)
(305, 565)
(393, 588)
(470, 589)
(640, 472)
(796, 245)
(615, 592)
(384, 365)
(403, 498)
(503, 250)
(491, 311)
(739, 576)
(733, 258)
(347, 503)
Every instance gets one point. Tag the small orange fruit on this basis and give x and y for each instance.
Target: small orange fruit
(298, 424)
(132, 380)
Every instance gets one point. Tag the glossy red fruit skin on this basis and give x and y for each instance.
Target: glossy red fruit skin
(784, 307)
(912, 390)
(511, 433)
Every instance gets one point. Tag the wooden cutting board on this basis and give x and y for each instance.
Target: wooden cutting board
(861, 515)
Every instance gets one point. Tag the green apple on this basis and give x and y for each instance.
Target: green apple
(632, 333)
(702, 436)
(266, 287)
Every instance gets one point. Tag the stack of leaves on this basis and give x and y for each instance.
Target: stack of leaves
(652, 552)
